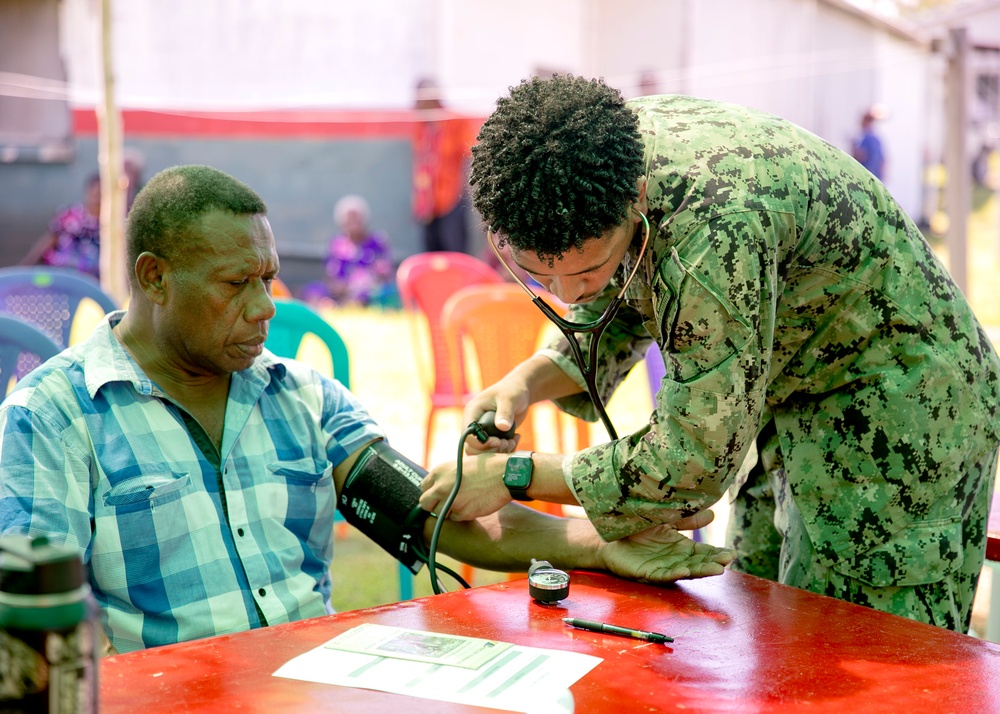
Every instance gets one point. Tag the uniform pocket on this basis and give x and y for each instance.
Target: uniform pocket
(923, 553)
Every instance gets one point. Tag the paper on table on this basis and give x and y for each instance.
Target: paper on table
(434, 647)
(518, 679)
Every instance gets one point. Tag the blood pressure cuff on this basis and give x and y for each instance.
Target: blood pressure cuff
(381, 499)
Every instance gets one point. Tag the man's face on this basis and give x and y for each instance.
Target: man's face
(579, 276)
(218, 305)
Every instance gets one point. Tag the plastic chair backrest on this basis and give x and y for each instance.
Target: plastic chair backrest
(64, 303)
(294, 332)
(426, 281)
(22, 348)
(503, 327)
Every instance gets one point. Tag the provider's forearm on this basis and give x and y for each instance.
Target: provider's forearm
(545, 379)
(508, 539)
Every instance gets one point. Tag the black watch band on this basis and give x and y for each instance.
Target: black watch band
(517, 474)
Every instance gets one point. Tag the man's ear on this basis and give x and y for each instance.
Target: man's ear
(640, 203)
(152, 272)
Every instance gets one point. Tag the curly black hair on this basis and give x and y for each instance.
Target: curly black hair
(556, 163)
(176, 198)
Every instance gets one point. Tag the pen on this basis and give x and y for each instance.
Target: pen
(614, 630)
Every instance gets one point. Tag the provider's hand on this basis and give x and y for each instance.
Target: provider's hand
(482, 491)
(661, 554)
(509, 399)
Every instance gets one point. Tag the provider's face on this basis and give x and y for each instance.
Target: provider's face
(579, 276)
(219, 311)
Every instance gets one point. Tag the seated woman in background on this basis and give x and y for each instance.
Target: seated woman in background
(359, 267)
(73, 238)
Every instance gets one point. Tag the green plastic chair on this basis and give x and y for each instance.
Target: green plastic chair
(292, 323)
(289, 336)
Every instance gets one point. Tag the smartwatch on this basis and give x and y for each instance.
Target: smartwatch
(517, 474)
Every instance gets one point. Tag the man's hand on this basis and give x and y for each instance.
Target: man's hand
(661, 554)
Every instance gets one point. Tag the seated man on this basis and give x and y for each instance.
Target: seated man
(197, 473)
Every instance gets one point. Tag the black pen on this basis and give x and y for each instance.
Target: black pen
(614, 630)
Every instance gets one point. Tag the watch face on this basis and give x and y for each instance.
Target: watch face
(518, 472)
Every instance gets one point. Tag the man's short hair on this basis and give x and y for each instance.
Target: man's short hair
(174, 199)
(556, 163)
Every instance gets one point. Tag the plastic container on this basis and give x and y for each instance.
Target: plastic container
(48, 629)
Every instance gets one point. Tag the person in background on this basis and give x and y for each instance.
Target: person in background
(868, 146)
(359, 267)
(797, 308)
(197, 473)
(440, 162)
(73, 237)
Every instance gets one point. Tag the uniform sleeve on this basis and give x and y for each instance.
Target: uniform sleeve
(715, 295)
(44, 481)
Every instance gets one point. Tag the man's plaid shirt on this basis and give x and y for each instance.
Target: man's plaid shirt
(93, 454)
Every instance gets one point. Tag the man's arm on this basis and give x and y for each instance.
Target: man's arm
(508, 539)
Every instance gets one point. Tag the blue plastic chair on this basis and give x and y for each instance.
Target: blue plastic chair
(50, 298)
(292, 323)
(22, 348)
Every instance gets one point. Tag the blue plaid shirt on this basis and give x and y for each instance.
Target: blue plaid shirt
(92, 453)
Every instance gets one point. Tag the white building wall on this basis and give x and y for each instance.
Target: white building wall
(254, 54)
(806, 60)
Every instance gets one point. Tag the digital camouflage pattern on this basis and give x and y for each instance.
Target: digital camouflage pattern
(792, 297)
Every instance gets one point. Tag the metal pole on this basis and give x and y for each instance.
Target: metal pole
(958, 196)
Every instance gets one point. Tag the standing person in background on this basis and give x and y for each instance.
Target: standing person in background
(440, 163)
(868, 146)
(73, 239)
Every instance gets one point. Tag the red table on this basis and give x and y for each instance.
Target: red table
(742, 644)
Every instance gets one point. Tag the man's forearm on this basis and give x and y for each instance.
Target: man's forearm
(508, 539)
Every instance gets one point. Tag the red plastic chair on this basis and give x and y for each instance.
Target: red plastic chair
(425, 282)
(503, 328)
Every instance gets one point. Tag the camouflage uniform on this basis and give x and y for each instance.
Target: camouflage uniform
(795, 304)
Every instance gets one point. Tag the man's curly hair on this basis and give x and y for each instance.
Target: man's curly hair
(174, 199)
(556, 163)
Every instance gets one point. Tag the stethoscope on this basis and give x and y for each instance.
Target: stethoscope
(596, 327)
